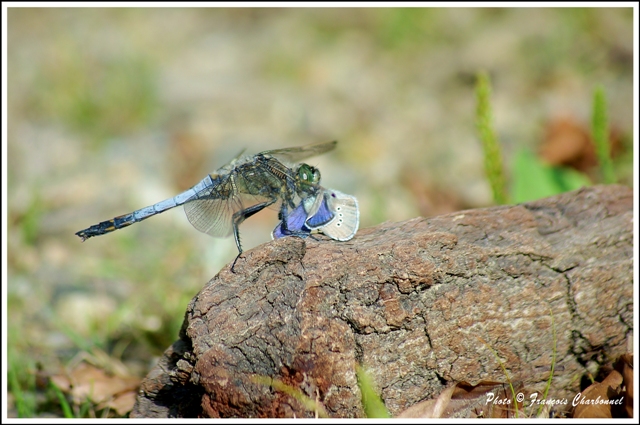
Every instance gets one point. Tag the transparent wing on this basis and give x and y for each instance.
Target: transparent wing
(213, 216)
(211, 210)
(296, 154)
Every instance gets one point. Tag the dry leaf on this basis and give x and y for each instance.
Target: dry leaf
(62, 382)
(625, 367)
(507, 409)
(593, 401)
(430, 408)
(86, 381)
(567, 143)
(89, 381)
(462, 400)
(423, 409)
(121, 403)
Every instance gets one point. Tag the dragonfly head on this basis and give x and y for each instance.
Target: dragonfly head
(307, 180)
(308, 175)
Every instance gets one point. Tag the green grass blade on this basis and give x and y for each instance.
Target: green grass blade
(25, 404)
(600, 134)
(308, 403)
(492, 153)
(85, 407)
(371, 402)
(64, 404)
(506, 374)
(553, 363)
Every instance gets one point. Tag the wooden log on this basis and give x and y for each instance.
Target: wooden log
(421, 304)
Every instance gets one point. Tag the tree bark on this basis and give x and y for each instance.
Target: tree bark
(421, 304)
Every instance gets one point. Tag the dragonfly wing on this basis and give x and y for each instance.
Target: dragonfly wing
(212, 209)
(296, 154)
(213, 216)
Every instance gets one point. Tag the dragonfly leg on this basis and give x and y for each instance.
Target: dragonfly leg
(234, 262)
(241, 216)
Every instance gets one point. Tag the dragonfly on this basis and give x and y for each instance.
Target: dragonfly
(328, 211)
(221, 201)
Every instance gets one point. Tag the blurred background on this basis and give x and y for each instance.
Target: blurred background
(111, 110)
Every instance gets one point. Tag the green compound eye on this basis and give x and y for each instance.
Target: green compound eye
(308, 174)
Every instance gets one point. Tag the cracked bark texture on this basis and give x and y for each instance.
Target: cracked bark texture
(418, 303)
